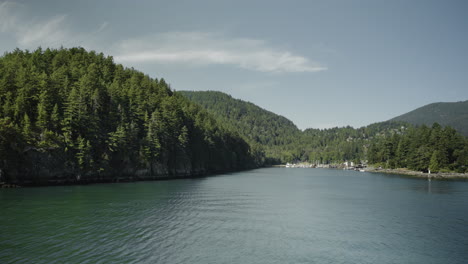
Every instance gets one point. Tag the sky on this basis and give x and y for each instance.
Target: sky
(320, 64)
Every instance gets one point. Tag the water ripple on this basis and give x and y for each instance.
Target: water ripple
(263, 216)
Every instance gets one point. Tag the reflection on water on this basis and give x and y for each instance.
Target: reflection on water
(433, 187)
(269, 215)
(429, 188)
(427, 185)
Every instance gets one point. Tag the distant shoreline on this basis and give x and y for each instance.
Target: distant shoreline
(399, 171)
(424, 175)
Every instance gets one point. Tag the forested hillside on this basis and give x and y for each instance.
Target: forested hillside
(422, 148)
(280, 139)
(446, 114)
(388, 144)
(70, 115)
(264, 130)
(335, 145)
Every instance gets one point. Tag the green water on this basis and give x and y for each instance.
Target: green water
(273, 215)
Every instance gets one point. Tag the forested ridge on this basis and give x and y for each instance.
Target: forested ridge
(71, 115)
(265, 131)
(392, 144)
(454, 114)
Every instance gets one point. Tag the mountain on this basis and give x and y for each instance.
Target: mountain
(255, 123)
(279, 138)
(446, 114)
(390, 144)
(70, 115)
(258, 126)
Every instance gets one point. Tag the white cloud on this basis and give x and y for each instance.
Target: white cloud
(30, 32)
(207, 48)
(7, 21)
(46, 33)
(189, 48)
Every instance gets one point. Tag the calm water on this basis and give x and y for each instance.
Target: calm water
(269, 216)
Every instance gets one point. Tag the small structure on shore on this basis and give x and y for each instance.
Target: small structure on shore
(299, 165)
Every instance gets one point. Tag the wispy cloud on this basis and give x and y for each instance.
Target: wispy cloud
(189, 48)
(47, 33)
(102, 27)
(6, 20)
(30, 32)
(201, 48)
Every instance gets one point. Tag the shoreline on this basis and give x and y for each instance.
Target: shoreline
(421, 175)
(399, 171)
(119, 179)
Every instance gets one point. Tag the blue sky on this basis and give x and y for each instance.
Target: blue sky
(319, 63)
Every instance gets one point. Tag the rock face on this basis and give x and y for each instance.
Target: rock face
(38, 168)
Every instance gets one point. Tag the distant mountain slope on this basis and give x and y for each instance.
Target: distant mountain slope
(274, 139)
(254, 123)
(279, 138)
(446, 114)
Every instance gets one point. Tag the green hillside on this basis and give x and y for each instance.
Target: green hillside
(280, 139)
(261, 128)
(390, 144)
(71, 115)
(446, 114)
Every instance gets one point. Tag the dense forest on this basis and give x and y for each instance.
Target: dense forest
(265, 131)
(70, 115)
(422, 148)
(387, 144)
(280, 139)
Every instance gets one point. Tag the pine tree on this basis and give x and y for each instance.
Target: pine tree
(153, 146)
(434, 165)
(183, 137)
(27, 129)
(42, 114)
(55, 118)
(83, 155)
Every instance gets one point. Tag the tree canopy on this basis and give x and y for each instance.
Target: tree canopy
(100, 118)
(389, 144)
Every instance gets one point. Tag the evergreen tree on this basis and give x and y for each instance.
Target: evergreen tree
(434, 165)
(27, 129)
(42, 113)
